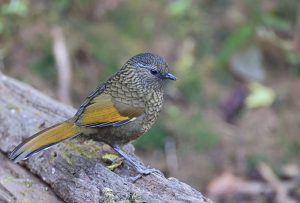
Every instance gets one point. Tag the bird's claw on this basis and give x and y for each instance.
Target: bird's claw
(139, 167)
(144, 172)
(135, 178)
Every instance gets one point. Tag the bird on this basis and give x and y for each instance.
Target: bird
(117, 112)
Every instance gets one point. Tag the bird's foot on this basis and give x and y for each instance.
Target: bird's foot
(147, 171)
(139, 167)
(144, 172)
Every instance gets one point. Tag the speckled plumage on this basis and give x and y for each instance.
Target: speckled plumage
(149, 101)
(129, 86)
(116, 112)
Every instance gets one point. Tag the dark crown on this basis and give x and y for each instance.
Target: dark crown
(147, 58)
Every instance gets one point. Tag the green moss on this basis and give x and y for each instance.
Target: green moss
(108, 195)
(28, 183)
(11, 179)
(8, 179)
(65, 155)
(22, 193)
(12, 106)
(88, 149)
(91, 150)
(112, 160)
(133, 198)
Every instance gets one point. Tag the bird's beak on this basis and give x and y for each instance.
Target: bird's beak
(169, 76)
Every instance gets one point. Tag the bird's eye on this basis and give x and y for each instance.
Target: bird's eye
(154, 72)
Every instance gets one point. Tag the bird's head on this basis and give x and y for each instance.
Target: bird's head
(149, 69)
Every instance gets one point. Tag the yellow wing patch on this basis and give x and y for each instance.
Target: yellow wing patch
(101, 110)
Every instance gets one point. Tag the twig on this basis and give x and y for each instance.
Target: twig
(63, 65)
(279, 188)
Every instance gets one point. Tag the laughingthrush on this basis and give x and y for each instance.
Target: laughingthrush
(116, 112)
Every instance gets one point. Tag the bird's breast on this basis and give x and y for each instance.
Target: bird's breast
(153, 106)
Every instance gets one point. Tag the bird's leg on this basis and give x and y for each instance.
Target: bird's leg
(140, 168)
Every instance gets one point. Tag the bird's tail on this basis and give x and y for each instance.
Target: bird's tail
(44, 139)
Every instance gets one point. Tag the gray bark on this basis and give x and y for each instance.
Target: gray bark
(73, 169)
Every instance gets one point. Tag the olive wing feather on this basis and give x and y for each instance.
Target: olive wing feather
(102, 110)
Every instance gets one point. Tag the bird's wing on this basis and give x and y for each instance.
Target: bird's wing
(102, 110)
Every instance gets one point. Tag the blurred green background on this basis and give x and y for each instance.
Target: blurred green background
(234, 106)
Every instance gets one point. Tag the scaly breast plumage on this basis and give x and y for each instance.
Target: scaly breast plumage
(152, 109)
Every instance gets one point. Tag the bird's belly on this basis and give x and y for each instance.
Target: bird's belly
(118, 134)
